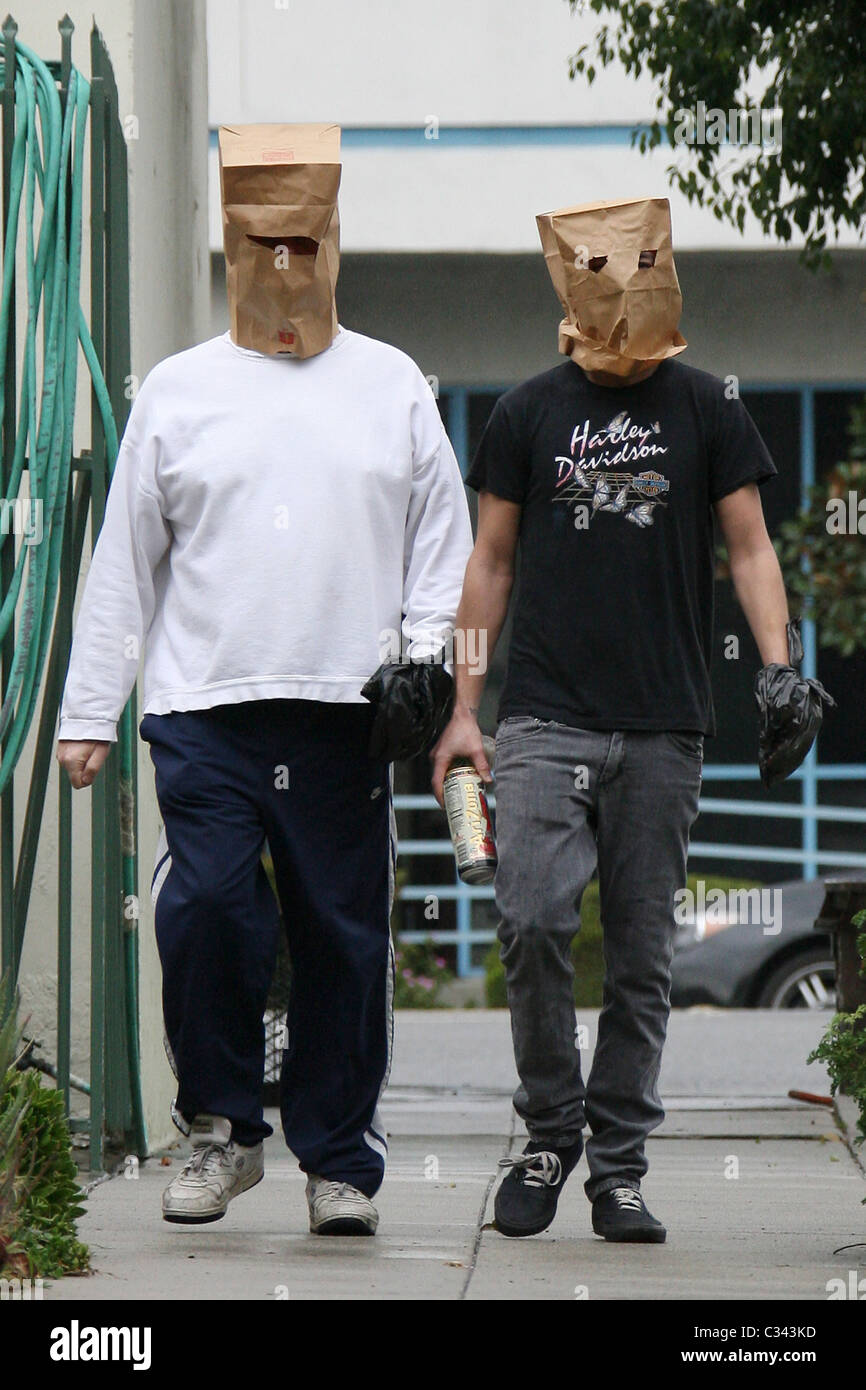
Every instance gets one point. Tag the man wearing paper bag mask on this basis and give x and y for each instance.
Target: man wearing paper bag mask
(285, 501)
(612, 267)
(607, 471)
(281, 230)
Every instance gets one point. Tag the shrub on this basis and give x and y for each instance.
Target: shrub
(39, 1193)
(13, 1105)
(843, 1047)
(420, 976)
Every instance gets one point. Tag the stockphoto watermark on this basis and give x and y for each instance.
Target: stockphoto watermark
(77, 1343)
(466, 646)
(710, 125)
(712, 908)
(846, 515)
(22, 516)
(20, 1290)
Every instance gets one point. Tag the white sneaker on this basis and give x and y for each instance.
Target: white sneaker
(338, 1209)
(217, 1170)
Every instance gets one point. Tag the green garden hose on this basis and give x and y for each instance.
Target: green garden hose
(48, 158)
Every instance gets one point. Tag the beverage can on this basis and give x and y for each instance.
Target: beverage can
(469, 823)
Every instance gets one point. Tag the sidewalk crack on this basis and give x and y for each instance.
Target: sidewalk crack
(88, 1187)
(479, 1227)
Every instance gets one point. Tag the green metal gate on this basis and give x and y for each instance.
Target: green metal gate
(115, 1119)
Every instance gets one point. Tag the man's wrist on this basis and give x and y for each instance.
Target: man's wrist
(467, 708)
(776, 656)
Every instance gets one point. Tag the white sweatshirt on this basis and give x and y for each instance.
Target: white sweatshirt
(270, 521)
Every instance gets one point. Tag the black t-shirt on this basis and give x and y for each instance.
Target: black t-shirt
(614, 610)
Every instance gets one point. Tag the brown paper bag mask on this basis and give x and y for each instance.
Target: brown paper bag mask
(612, 267)
(281, 232)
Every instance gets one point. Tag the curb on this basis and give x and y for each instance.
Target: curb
(847, 1117)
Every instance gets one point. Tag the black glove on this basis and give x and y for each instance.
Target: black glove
(413, 704)
(791, 710)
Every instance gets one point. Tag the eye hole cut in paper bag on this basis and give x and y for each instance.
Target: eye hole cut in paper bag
(281, 231)
(612, 267)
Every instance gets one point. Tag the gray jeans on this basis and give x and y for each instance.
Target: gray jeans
(566, 800)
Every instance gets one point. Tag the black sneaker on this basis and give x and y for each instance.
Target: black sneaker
(526, 1201)
(621, 1214)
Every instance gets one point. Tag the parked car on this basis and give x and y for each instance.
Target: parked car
(731, 956)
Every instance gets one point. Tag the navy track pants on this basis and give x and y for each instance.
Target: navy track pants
(295, 773)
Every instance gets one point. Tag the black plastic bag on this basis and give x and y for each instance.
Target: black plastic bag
(413, 705)
(791, 711)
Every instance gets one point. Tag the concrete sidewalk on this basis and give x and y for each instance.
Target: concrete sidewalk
(767, 1233)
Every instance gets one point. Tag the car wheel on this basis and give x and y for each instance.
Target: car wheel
(804, 981)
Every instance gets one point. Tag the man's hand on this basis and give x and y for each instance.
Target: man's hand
(460, 739)
(412, 700)
(791, 712)
(82, 758)
(482, 610)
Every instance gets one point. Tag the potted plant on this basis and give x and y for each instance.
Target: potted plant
(843, 1046)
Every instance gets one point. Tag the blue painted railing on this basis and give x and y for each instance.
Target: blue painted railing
(808, 857)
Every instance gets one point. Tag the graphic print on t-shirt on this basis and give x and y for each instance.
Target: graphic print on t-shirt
(612, 628)
(591, 478)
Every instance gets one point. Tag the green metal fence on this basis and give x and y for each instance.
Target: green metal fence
(115, 1109)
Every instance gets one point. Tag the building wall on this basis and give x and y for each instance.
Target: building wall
(514, 136)
(381, 64)
(490, 320)
(440, 248)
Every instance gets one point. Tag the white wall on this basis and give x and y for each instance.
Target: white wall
(378, 63)
(441, 197)
(491, 63)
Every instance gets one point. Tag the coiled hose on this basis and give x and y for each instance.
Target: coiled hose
(48, 158)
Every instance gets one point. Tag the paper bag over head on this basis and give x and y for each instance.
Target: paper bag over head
(612, 267)
(281, 232)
